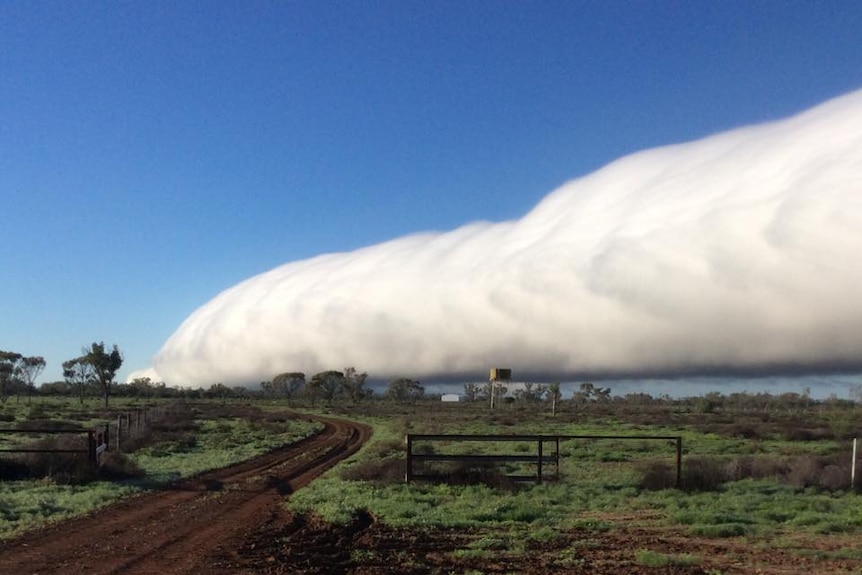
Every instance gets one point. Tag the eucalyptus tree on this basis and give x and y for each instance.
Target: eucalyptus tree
(79, 374)
(289, 384)
(354, 385)
(327, 385)
(10, 372)
(105, 365)
(404, 389)
(31, 368)
(554, 396)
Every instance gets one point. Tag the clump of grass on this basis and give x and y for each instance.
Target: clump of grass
(720, 530)
(376, 471)
(650, 558)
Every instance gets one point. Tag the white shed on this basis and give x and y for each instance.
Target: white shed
(450, 398)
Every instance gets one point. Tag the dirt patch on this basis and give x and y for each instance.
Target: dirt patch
(302, 545)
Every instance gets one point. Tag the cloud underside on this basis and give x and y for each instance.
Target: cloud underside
(738, 253)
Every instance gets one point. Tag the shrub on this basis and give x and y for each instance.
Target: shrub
(656, 475)
(13, 469)
(116, 465)
(70, 468)
(51, 424)
(380, 471)
(804, 472)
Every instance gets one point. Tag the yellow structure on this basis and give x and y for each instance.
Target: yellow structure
(500, 374)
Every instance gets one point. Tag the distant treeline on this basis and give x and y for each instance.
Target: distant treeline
(349, 387)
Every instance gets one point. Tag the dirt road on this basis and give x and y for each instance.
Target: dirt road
(190, 528)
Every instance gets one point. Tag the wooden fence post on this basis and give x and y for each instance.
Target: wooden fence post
(409, 473)
(678, 462)
(91, 446)
(557, 455)
(539, 469)
(853, 467)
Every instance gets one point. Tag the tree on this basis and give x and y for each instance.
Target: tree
(78, 373)
(145, 387)
(10, 372)
(590, 393)
(531, 393)
(354, 385)
(554, 396)
(289, 384)
(105, 366)
(475, 392)
(30, 369)
(218, 390)
(404, 389)
(327, 384)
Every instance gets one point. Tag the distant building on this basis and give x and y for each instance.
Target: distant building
(450, 398)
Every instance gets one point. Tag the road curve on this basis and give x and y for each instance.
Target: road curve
(190, 527)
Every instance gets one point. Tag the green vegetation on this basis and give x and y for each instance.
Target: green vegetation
(755, 468)
(654, 559)
(744, 473)
(184, 441)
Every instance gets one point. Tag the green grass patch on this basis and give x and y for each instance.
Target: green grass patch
(207, 444)
(649, 558)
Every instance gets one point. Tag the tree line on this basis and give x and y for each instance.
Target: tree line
(96, 366)
(330, 385)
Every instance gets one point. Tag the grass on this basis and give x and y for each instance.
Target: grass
(599, 479)
(218, 444)
(744, 477)
(203, 444)
(649, 558)
(28, 504)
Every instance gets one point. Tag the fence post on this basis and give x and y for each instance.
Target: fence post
(557, 457)
(91, 446)
(539, 473)
(409, 473)
(678, 462)
(853, 467)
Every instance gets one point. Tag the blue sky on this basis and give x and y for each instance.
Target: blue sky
(154, 154)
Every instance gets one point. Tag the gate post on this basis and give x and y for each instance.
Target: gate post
(91, 446)
(539, 474)
(678, 462)
(409, 473)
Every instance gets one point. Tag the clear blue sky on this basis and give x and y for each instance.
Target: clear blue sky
(153, 154)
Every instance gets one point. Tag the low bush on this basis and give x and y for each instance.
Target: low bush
(710, 473)
(656, 475)
(50, 424)
(472, 474)
(13, 469)
(115, 466)
(65, 468)
(377, 471)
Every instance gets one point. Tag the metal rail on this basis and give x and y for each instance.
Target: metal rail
(539, 458)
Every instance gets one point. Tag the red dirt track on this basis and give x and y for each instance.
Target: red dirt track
(190, 527)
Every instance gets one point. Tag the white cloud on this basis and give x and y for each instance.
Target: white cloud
(736, 252)
(142, 373)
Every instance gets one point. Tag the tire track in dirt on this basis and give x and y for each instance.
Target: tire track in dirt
(184, 528)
